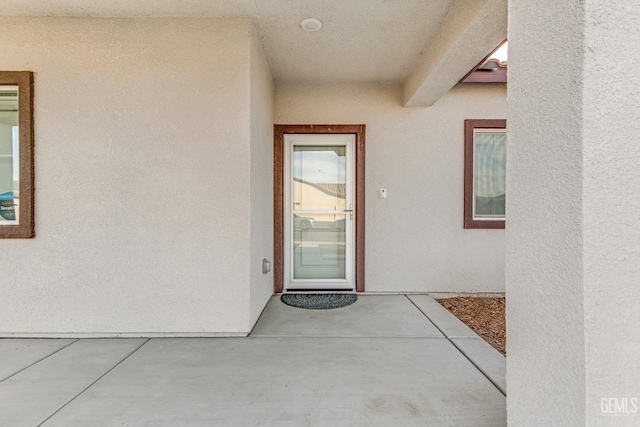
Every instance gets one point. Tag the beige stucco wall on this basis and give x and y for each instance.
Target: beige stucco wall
(544, 256)
(415, 240)
(611, 108)
(573, 224)
(261, 179)
(143, 177)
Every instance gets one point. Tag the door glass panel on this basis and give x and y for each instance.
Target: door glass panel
(489, 173)
(9, 156)
(319, 177)
(319, 246)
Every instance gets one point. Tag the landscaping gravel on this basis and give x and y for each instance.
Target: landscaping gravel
(485, 315)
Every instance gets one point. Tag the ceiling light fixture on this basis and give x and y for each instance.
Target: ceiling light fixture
(310, 25)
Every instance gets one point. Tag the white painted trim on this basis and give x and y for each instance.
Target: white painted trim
(319, 139)
(473, 186)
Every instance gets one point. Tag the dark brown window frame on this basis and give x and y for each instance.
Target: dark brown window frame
(469, 127)
(278, 194)
(24, 80)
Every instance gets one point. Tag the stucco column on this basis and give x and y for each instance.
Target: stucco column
(573, 213)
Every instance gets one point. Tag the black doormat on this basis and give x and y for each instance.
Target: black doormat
(319, 301)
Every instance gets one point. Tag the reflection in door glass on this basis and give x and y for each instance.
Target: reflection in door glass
(9, 156)
(319, 246)
(319, 177)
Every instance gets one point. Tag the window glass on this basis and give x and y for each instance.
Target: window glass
(489, 173)
(484, 173)
(9, 156)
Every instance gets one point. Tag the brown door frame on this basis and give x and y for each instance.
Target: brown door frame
(278, 195)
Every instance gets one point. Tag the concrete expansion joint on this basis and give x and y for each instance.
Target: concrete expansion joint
(94, 382)
(39, 360)
(383, 350)
(482, 361)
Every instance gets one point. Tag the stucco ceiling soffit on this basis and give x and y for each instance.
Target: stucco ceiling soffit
(360, 40)
(129, 8)
(470, 30)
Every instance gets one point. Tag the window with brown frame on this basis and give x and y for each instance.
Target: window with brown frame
(484, 173)
(16, 154)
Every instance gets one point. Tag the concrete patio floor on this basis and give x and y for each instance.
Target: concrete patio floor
(393, 360)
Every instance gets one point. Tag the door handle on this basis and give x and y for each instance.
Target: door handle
(350, 210)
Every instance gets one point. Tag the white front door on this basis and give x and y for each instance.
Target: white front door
(319, 211)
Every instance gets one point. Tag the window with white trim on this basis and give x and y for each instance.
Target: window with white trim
(485, 173)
